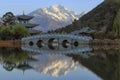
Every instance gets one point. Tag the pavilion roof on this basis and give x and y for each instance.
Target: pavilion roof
(33, 31)
(24, 17)
(30, 25)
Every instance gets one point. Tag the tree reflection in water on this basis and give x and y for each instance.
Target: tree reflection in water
(10, 57)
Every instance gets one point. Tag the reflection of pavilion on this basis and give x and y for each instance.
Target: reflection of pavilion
(24, 66)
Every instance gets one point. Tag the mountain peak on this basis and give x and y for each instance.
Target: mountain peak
(59, 6)
(53, 17)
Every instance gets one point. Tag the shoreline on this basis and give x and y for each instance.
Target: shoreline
(104, 42)
(10, 43)
(94, 42)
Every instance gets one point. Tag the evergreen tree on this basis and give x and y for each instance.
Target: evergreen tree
(9, 19)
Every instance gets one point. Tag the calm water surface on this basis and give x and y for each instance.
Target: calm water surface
(92, 63)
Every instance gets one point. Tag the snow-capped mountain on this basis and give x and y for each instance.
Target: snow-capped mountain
(53, 17)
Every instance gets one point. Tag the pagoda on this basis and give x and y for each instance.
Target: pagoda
(25, 21)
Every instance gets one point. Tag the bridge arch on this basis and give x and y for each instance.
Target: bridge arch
(40, 43)
(31, 43)
(65, 43)
(76, 43)
(51, 43)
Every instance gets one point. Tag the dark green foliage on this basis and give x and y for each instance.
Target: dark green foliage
(13, 54)
(20, 31)
(116, 25)
(14, 32)
(6, 33)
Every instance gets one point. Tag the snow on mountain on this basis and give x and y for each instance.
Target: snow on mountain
(53, 17)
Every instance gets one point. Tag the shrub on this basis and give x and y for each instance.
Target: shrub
(20, 31)
(6, 33)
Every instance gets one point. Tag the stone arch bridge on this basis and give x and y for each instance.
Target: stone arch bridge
(54, 41)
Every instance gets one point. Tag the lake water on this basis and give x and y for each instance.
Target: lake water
(88, 63)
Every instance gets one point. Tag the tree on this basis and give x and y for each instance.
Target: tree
(6, 33)
(9, 19)
(16, 32)
(20, 31)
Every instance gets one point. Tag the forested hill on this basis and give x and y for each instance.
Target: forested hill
(100, 18)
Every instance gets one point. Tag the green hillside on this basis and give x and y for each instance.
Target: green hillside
(100, 18)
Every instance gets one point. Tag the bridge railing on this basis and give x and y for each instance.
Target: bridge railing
(85, 38)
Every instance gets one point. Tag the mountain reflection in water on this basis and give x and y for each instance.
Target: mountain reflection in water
(95, 64)
(54, 65)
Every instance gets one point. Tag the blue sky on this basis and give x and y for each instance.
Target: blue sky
(18, 6)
